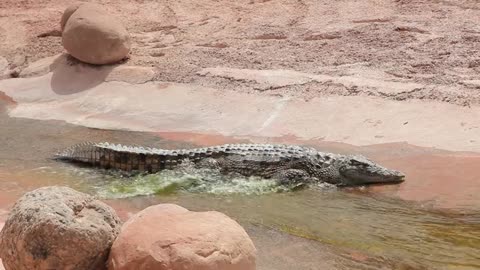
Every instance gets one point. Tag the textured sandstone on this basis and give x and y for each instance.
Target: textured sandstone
(58, 228)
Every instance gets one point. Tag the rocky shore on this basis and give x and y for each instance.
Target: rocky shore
(60, 228)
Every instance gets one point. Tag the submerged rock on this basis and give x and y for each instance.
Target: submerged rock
(93, 36)
(58, 228)
(169, 237)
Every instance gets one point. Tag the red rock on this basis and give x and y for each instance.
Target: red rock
(169, 237)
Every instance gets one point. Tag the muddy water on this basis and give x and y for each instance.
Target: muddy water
(429, 222)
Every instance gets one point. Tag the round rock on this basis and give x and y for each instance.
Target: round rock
(93, 36)
(58, 228)
(169, 237)
(67, 13)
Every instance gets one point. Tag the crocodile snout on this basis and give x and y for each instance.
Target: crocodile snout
(396, 176)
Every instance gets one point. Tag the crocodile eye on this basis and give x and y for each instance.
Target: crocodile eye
(357, 163)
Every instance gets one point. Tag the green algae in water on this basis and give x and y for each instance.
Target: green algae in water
(170, 182)
(143, 185)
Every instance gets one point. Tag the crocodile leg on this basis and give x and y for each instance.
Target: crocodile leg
(209, 163)
(293, 178)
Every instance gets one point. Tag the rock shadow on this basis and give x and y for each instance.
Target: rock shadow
(71, 76)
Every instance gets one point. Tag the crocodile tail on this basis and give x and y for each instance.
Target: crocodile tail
(80, 152)
(125, 158)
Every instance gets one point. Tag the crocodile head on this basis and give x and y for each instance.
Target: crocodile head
(358, 170)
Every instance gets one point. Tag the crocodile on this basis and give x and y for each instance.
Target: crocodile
(288, 164)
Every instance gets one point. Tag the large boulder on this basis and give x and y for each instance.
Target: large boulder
(93, 36)
(169, 237)
(58, 228)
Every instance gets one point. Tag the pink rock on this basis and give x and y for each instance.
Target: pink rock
(169, 237)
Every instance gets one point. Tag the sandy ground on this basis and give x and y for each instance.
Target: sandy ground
(395, 50)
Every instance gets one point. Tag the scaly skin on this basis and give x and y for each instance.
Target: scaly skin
(286, 163)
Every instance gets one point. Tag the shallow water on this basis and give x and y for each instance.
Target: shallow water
(388, 229)
(357, 228)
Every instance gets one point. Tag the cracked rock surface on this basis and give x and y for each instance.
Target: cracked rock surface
(58, 228)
